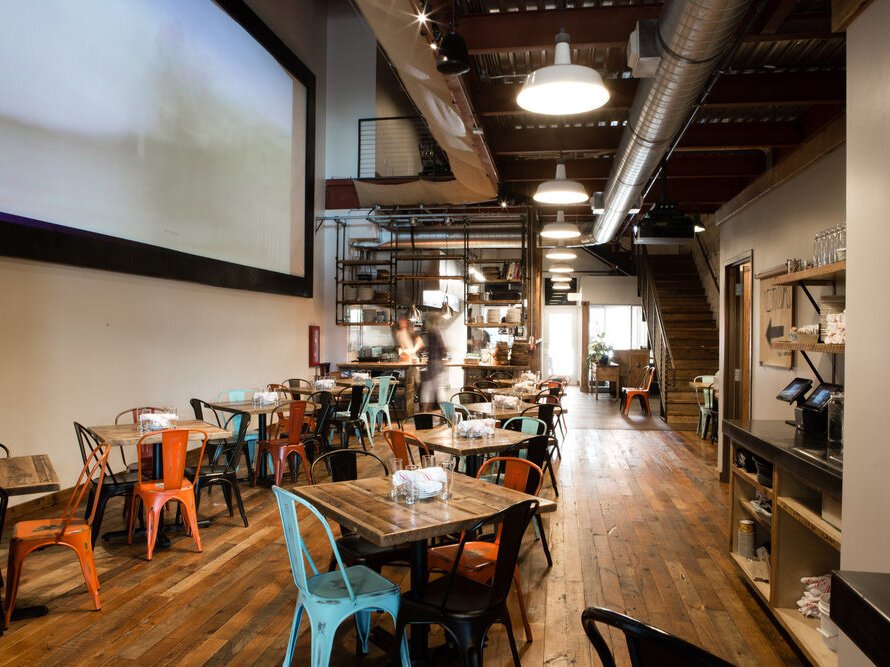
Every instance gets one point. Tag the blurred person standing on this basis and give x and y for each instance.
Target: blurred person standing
(433, 384)
(408, 342)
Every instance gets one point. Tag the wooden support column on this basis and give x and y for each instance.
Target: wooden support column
(585, 341)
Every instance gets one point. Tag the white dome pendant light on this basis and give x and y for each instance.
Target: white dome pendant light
(560, 253)
(563, 89)
(560, 190)
(560, 229)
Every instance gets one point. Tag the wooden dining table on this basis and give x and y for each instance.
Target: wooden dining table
(21, 476)
(365, 506)
(440, 439)
(489, 410)
(129, 435)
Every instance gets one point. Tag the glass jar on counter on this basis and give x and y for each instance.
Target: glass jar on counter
(835, 409)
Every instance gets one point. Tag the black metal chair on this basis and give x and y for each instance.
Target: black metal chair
(468, 397)
(350, 418)
(316, 440)
(298, 383)
(465, 608)
(341, 465)
(548, 413)
(485, 384)
(539, 450)
(648, 646)
(222, 466)
(500, 375)
(423, 420)
(114, 484)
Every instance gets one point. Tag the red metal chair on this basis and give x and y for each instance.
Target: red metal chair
(399, 442)
(641, 392)
(28, 536)
(283, 449)
(478, 560)
(155, 493)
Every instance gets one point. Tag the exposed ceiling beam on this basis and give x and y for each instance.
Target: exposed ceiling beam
(597, 27)
(700, 136)
(775, 15)
(732, 90)
(680, 166)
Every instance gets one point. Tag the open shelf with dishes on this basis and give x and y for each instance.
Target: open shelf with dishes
(801, 543)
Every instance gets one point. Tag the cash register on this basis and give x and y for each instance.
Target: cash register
(810, 415)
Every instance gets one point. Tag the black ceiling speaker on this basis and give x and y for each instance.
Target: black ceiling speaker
(452, 56)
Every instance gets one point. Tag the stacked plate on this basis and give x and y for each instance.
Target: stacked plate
(493, 315)
(365, 293)
(514, 315)
(829, 305)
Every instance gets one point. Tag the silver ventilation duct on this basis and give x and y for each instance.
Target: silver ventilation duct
(693, 34)
(453, 239)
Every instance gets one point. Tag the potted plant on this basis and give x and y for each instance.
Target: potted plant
(599, 351)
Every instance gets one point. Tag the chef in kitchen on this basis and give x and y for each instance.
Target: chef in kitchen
(407, 340)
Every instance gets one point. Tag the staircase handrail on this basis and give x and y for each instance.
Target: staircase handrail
(661, 347)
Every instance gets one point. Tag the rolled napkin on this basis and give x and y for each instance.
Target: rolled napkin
(157, 421)
(524, 387)
(476, 428)
(502, 401)
(325, 384)
(426, 480)
(528, 377)
(361, 377)
(265, 397)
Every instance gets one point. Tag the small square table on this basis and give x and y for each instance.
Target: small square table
(365, 506)
(490, 411)
(440, 439)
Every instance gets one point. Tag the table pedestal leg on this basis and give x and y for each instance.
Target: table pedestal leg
(419, 574)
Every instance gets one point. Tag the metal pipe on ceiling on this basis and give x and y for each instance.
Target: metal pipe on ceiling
(692, 35)
(452, 239)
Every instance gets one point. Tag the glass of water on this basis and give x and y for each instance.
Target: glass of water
(448, 466)
(411, 484)
(395, 465)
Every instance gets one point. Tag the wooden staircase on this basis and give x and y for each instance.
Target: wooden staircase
(689, 334)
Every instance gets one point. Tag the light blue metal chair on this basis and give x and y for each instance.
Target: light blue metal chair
(385, 389)
(330, 598)
(253, 435)
(529, 425)
(701, 397)
(450, 409)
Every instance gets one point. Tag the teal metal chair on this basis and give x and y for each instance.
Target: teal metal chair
(330, 598)
(253, 435)
(385, 390)
(529, 425)
(704, 399)
(450, 410)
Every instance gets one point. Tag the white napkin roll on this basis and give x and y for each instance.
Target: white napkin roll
(158, 420)
(426, 480)
(325, 385)
(265, 397)
(476, 428)
(361, 377)
(502, 401)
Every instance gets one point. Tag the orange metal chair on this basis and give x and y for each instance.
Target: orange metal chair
(478, 560)
(28, 536)
(641, 392)
(155, 493)
(289, 444)
(399, 442)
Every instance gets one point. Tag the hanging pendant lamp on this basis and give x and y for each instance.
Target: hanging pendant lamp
(560, 190)
(561, 287)
(564, 278)
(561, 268)
(560, 229)
(563, 89)
(560, 254)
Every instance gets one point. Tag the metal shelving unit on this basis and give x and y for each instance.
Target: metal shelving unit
(357, 267)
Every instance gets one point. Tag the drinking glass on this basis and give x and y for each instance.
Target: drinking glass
(144, 424)
(428, 460)
(448, 467)
(395, 465)
(410, 485)
(172, 417)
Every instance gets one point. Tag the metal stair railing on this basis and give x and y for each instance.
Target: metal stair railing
(661, 346)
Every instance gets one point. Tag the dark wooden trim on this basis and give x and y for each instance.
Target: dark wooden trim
(39, 240)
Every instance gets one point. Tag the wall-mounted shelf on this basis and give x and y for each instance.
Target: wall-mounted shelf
(431, 277)
(496, 281)
(819, 275)
(496, 302)
(827, 348)
(495, 325)
(365, 324)
(365, 282)
(363, 262)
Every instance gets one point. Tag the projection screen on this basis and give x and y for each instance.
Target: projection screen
(165, 137)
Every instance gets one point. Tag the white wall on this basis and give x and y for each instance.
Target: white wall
(866, 454)
(610, 290)
(778, 226)
(351, 91)
(82, 345)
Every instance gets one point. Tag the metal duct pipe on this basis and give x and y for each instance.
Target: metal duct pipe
(692, 35)
(453, 239)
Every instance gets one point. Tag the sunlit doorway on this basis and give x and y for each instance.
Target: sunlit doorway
(561, 354)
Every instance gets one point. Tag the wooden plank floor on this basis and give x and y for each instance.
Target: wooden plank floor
(641, 527)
